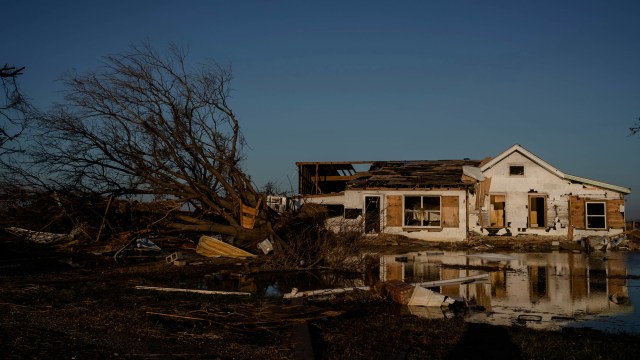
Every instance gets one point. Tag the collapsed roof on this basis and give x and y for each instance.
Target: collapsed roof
(418, 174)
(319, 178)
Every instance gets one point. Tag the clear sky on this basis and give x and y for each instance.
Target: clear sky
(374, 80)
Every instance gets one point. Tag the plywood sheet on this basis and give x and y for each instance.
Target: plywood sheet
(394, 210)
(577, 212)
(212, 247)
(450, 211)
(615, 218)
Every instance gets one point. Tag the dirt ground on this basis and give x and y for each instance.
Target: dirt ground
(58, 303)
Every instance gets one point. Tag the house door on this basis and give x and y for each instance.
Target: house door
(497, 214)
(537, 211)
(371, 214)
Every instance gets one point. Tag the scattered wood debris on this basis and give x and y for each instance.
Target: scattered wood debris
(248, 317)
(299, 294)
(40, 237)
(212, 247)
(207, 292)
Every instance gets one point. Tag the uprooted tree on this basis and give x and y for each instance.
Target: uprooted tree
(151, 125)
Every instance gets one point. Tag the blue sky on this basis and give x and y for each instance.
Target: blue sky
(374, 80)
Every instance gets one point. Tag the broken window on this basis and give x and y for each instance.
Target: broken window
(352, 213)
(422, 211)
(334, 210)
(371, 214)
(516, 170)
(596, 215)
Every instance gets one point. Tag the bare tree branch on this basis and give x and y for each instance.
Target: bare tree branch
(635, 129)
(14, 109)
(152, 124)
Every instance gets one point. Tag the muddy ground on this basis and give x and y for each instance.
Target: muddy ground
(65, 303)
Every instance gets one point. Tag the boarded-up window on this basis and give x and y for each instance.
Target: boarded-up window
(394, 210)
(577, 212)
(497, 210)
(450, 212)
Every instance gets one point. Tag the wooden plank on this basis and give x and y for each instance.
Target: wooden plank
(337, 177)
(399, 291)
(450, 212)
(249, 214)
(207, 292)
(394, 210)
(576, 212)
(299, 294)
(209, 246)
(497, 204)
(615, 219)
(483, 190)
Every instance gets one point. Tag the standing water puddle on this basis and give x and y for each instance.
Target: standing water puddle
(538, 290)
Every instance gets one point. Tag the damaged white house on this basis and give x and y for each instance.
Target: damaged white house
(513, 193)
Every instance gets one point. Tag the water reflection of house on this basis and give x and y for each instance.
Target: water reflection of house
(555, 285)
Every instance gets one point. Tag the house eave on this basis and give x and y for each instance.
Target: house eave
(620, 189)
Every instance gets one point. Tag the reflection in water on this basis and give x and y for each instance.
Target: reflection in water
(541, 290)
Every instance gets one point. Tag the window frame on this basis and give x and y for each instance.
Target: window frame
(422, 211)
(517, 165)
(587, 215)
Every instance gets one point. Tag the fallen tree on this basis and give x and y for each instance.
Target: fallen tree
(148, 144)
(152, 126)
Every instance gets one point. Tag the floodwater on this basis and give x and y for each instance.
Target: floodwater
(539, 290)
(549, 290)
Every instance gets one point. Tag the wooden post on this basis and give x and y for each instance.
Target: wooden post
(104, 218)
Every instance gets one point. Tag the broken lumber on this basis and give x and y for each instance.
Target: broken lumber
(207, 292)
(299, 294)
(176, 316)
(212, 247)
(39, 237)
